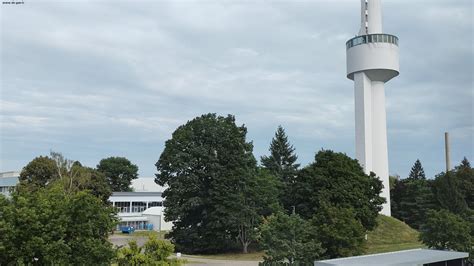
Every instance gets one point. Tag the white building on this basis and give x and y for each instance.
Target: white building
(8, 181)
(142, 210)
(372, 60)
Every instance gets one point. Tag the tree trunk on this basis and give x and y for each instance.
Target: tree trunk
(244, 247)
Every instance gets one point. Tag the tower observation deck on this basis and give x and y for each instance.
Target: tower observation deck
(372, 60)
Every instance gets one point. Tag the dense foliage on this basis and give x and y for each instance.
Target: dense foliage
(339, 230)
(417, 171)
(289, 238)
(214, 194)
(334, 179)
(119, 172)
(446, 230)
(441, 208)
(411, 199)
(50, 226)
(414, 196)
(57, 215)
(282, 163)
(39, 171)
(154, 252)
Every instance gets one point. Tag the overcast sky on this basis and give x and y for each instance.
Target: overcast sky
(94, 79)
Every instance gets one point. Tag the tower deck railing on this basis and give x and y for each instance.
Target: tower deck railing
(372, 38)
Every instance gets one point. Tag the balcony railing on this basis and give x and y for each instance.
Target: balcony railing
(372, 38)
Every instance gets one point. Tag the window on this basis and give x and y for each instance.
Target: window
(138, 206)
(385, 38)
(122, 206)
(155, 204)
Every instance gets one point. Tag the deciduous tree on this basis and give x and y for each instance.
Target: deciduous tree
(445, 230)
(334, 179)
(119, 172)
(290, 238)
(50, 226)
(211, 176)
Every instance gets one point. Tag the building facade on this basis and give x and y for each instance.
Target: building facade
(8, 181)
(143, 210)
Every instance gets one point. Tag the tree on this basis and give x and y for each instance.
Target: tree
(411, 198)
(417, 171)
(74, 177)
(210, 172)
(282, 164)
(39, 172)
(465, 173)
(340, 231)
(445, 230)
(119, 172)
(336, 180)
(259, 199)
(50, 226)
(289, 238)
(449, 192)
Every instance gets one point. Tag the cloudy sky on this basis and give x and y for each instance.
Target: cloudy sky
(94, 79)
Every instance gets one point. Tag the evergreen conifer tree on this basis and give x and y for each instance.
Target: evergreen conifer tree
(282, 164)
(417, 171)
(465, 174)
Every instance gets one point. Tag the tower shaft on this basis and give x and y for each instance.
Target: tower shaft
(371, 131)
(372, 60)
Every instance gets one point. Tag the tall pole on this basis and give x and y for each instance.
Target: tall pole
(447, 151)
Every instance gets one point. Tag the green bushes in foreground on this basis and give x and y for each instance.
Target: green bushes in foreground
(154, 252)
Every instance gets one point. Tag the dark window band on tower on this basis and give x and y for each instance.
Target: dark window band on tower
(372, 38)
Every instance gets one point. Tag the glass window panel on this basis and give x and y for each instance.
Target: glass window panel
(138, 206)
(155, 204)
(122, 206)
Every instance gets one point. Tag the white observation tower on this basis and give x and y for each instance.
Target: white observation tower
(372, 60)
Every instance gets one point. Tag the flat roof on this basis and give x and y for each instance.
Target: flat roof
(136, 194)
(399, 258)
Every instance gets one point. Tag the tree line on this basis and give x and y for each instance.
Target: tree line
(59, 213)
(442, 208)
(220, 199)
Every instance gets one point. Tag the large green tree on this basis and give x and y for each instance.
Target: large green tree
(212, 180)
(282, 163)
(340, 231)
(290, 238)
(43, 171)
(52, 226)
(450, 193)
(334, 179)
(465, 173)
(119, 172)
(446, 230)
(40, 171)
(413, 196)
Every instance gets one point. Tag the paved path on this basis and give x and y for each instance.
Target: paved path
(122, 240)
(197, 261)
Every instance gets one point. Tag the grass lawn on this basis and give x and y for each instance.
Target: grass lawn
(392, 235)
